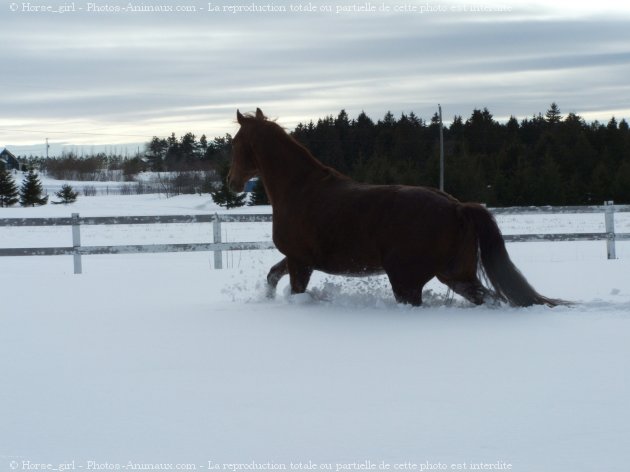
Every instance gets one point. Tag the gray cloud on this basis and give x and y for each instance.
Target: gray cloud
(150, 74)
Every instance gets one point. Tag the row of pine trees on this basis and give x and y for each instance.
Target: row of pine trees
(547, 159)
(31, 192)
(544, 160)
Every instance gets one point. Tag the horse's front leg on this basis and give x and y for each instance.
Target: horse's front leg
(275, 274)
(300, 276)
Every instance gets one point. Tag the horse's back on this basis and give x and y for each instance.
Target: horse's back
(391, 206)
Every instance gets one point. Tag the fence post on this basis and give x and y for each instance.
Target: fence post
(216, 230)
(76, 243)
(609, 217)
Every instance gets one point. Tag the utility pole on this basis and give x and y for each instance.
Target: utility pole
(47, 146)
(441, 149)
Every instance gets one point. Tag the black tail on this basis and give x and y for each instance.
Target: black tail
(506, 280)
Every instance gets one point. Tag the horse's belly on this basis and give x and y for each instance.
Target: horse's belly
(349, 263)
(364, 272)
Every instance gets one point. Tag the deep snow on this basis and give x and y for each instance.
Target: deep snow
(161, 359)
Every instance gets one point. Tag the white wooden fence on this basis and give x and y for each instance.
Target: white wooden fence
(217, 246)
(77, 250)
(608, 209)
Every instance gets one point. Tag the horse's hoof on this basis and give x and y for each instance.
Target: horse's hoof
(271, 292)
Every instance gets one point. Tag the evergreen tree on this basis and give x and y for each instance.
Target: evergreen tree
(31, 191)
(481, 132)
(553, 114)
(188, 147)
(131, 168)
(173, 153)
(259, 194)
(218, 149)
(66, 195)
(621, 184)
(201, 147)
(548, 183)
(156, 152)
(223, 195)
(8, 189)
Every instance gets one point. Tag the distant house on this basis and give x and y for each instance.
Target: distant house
(8, 160)
(249, 185)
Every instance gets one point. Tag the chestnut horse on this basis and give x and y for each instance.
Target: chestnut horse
(323, 220)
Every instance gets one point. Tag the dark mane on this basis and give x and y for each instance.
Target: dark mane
(279, 132)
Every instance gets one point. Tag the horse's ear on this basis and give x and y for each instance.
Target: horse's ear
(260, 115)
(239, 117)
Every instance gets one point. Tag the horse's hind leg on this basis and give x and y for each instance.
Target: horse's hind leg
(471, 289)
(461, 274)
(407, 293)
(474, 292)
(275, 274)
(407, 279)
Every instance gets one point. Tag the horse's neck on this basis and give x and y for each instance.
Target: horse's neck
(287, 169)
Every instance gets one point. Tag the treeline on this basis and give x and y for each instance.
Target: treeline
(544, 160)
(99, 167)
(182, 165)
(185, 154)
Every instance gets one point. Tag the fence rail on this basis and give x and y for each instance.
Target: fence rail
(77, 250)
(608, 209)
(217, 246)
(560, 210)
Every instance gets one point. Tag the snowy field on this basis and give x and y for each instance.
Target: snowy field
(160, 359)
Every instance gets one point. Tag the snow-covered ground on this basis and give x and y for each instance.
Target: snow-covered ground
(160, 358)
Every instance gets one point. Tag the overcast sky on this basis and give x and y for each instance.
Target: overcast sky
(88, 77)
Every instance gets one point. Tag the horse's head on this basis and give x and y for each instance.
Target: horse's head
(244, 165)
